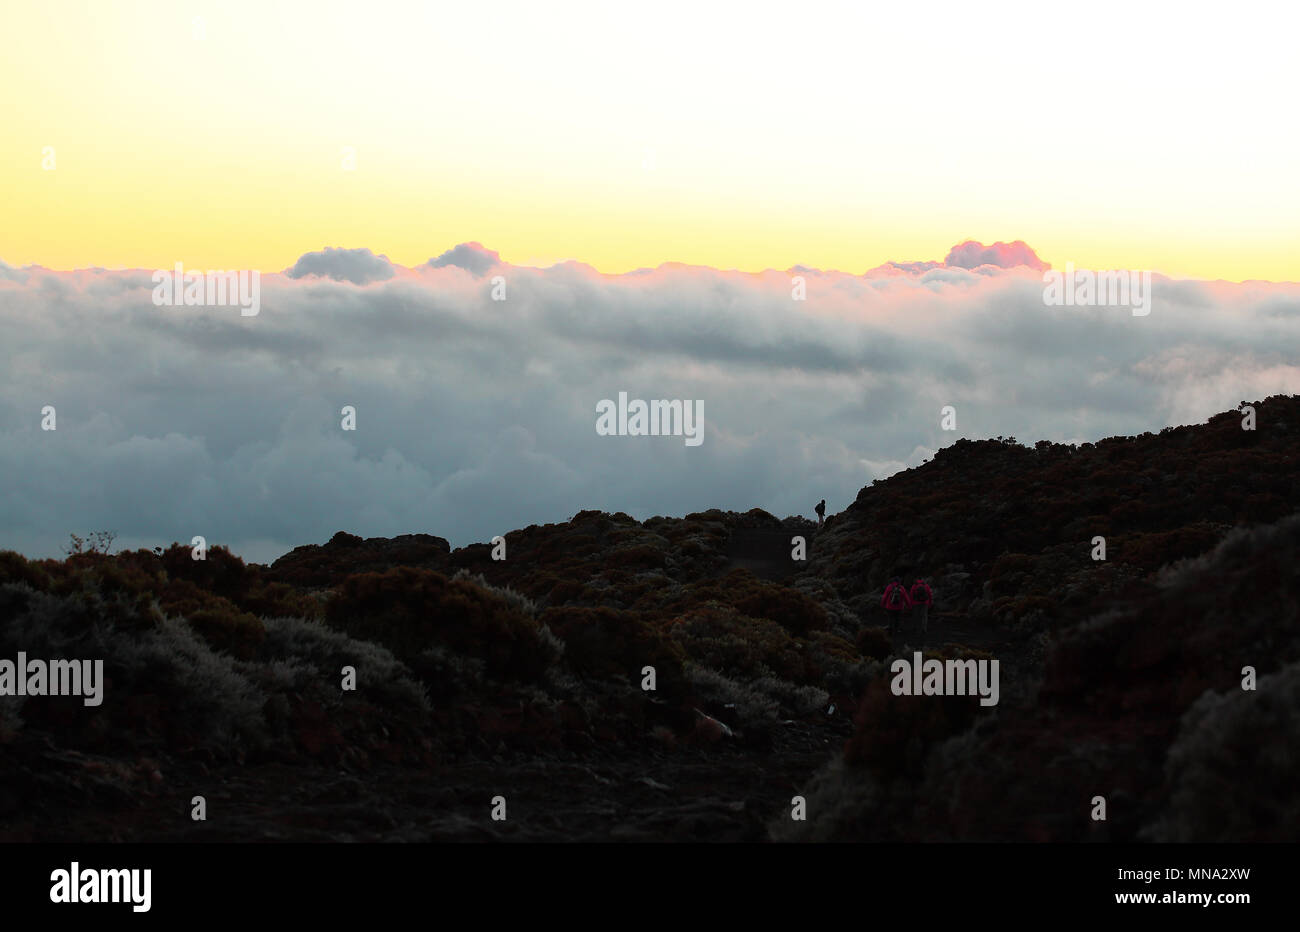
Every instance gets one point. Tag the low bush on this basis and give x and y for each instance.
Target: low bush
(410, 610)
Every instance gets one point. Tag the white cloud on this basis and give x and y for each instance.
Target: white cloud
(472, 257)
(358, 266)
(476, 416)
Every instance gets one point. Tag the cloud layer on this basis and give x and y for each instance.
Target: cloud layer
(476, 416)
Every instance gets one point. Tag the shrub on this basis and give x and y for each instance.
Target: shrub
(790, 608)
(794, 610)
(14, 567)
(181, 598)
(874, 643)
(892, 734)
(410, 610)
(221, 572)
(1154, 550)
(233, 632)
(757, 714)
(609, 643)
(279, 600)
(207, 701)
(564, 590)
(1225, 735)
(717, 637)
(319, 648)
(198, 698)
(799, 700)
(637, 557)
(515, 599)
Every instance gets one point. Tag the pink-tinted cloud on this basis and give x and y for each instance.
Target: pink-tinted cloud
(972, 254)
(902, 268)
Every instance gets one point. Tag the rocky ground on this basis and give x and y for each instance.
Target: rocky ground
(524, 677)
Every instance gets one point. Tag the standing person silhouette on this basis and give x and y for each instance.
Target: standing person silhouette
(821, 512)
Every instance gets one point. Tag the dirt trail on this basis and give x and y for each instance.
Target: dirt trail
(764, 552)
(722, 792)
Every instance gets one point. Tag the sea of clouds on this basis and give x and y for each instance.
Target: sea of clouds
(477, 416)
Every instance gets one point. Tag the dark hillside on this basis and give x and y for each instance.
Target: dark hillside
(524, 676)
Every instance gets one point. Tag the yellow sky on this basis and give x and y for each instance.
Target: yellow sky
(728, 135)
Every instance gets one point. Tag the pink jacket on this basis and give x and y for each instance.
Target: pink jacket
(902, 590)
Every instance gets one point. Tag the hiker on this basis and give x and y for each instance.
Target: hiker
(895, 600)
(921, 598)
(821, 512)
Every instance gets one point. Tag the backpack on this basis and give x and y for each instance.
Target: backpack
(920, 594)
(895, 597)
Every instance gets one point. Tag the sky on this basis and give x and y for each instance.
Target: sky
(823, 222)
(738, 136)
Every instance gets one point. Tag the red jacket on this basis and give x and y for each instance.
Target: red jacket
(920, 594)
(889, 591)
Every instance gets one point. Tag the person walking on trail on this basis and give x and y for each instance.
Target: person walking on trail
(921, 598)
(896, 601)
(821, 512)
